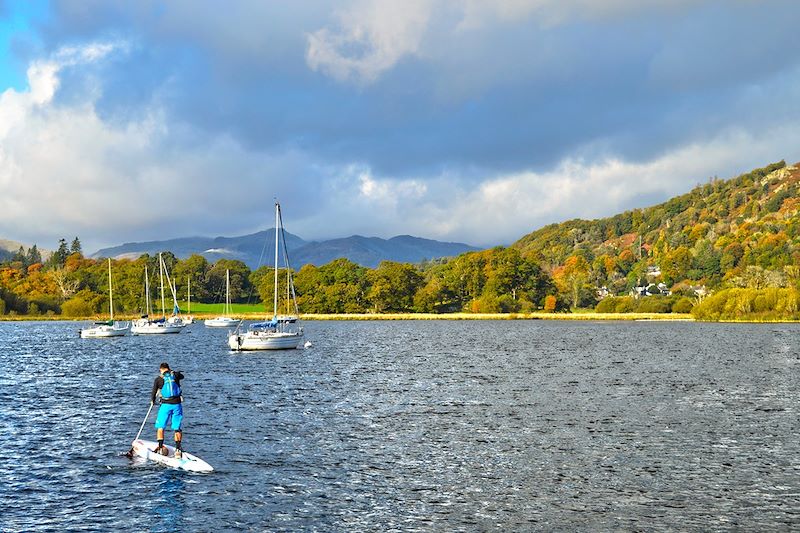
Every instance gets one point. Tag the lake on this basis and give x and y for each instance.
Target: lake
(410, 426)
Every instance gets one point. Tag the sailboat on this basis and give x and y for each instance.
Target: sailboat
(109, 328)
(224, 321)
(176, 319)
(146, 325)
(280, 332)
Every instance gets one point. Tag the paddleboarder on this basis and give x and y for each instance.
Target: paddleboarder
(168, 386)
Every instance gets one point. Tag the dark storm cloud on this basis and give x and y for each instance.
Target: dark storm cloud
(506, 96)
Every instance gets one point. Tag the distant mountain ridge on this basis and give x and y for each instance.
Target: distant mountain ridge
(370, 251)
(8, 248)
(366, 251)
(246, 248)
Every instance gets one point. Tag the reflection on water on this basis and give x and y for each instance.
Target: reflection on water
(507, 425)
(170, 501)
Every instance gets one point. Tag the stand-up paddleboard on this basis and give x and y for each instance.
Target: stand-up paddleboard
(187, 461)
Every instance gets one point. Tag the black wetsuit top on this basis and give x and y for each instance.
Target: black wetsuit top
(159, 382)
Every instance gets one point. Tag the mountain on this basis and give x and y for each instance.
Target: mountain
(712, 234)
(9, 248)
(246, 248)
(370, 251)
(366, 251)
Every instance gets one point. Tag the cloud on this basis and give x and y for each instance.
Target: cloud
(503, 208)
(64, 169)
(369, 39)
(473, 121)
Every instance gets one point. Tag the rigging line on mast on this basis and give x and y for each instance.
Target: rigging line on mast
(288, 266)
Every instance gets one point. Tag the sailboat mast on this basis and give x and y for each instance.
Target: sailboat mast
(110, 296)
(275, 300)
(147, 292)
(188, 294)
(227, 292)
(161, 278)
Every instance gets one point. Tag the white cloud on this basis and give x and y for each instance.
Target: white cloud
(369, 39)
(507, 207)
(66, 171)
(503, 208)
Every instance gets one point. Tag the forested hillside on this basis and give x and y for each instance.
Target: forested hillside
(743, 232)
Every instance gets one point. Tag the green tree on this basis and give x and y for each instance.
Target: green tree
(239, 280)
(75, 248)
(676, 264)
(194, 268)
(33, 255)
(393, 286)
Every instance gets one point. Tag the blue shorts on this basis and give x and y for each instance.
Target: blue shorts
(167, 411)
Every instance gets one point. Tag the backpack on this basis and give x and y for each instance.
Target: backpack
(171, 389)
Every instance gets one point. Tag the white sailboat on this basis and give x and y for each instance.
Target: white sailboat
(146, 325)
(109, 328)
(281, 332)
(224, 321)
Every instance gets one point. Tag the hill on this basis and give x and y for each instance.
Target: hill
(9, 248)
(720, 232)
(370, 251)
(246, 248)
(365, 251)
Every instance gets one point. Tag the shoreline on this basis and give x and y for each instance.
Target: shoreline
(344, 317)
(663, 317)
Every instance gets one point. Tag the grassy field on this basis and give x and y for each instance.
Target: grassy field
(216, 309)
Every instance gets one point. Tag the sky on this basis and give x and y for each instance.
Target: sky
(473, 121)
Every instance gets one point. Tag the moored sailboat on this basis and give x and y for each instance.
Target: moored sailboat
(224, 321)
(147, 325)
(281, 331)
(109, 328)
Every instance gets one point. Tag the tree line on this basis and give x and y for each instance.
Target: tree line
(495, 280)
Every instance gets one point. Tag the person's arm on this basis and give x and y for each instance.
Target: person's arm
(178, 376)
(156, 387)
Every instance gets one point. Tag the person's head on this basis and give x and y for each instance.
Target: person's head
(163, 368)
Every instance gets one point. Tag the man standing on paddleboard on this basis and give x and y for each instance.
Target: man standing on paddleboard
(168, 385)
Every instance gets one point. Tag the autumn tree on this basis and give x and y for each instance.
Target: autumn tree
(572, 277)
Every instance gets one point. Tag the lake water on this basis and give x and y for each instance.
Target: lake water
(410, 426)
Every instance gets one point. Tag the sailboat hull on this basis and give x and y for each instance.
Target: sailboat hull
(221, 322)
(262, 340)
(99, 332)
(159, 328)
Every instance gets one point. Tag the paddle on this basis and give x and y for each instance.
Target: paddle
(130, 452)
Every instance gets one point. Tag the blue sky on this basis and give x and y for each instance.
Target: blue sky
(461, 120)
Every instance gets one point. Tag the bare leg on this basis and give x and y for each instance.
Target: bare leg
(160, 438)
(178, 437)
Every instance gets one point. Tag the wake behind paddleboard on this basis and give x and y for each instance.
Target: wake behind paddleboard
(188, 461)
